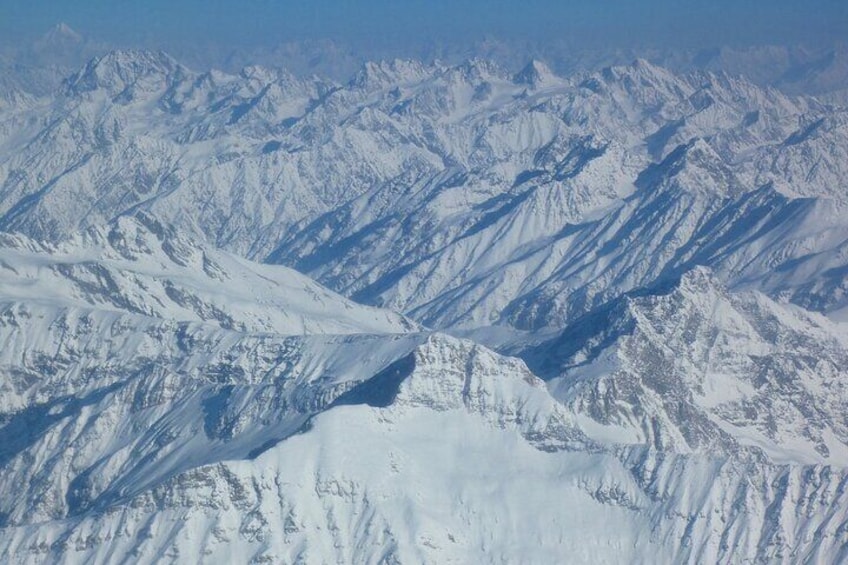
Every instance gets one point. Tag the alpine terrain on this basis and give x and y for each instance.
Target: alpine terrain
(435, 313)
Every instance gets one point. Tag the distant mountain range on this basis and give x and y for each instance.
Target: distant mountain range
(434, 312)
(820, 70)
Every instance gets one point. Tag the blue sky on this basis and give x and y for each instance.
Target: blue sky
(600, 22)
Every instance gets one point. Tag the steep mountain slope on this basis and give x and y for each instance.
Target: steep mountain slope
(694, 368)
(523, 262)
(163, 435)
(120, 344)
(541, 196)
(137, 265)
(590, 216)
(647, 243)
(452, 453)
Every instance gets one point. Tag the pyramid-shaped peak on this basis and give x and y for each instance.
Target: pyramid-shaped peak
(642, 63)
(535, 73)
(63, 33)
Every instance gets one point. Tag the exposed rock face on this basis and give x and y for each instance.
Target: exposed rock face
(542, 197)
(693, 368)
(657, 252)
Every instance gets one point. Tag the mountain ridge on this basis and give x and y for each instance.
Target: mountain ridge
(650, 266)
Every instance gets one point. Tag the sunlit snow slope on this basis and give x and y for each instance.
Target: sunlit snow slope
(170, 435)
(459, 195)
(659, 259)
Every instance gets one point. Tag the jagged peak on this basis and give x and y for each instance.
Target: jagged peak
(644, 64)
(534, 74)
(118, 69)
(701, 278)
(698, 283)
(383, 73)
(717, 359)
(588, 335)
(477, 69)
(446, 373)
(695, 283)
(264, 74)
(693, 166)
(699, 150)
(141, 233)
(141, 58)
(642, 71)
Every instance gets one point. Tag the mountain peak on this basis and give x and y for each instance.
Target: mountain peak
(700, 279)
(644, 73)
(61, 34)
(695, 167)
(718, 361)
(142, 58)
(477, 69)
(138, 265)
(119, 70)
(534, 74)
(380, 74)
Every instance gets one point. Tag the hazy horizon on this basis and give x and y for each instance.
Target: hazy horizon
(382, 23)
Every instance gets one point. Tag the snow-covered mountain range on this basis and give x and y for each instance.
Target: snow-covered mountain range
(540, 197)
(436, 313)
(169, 434)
